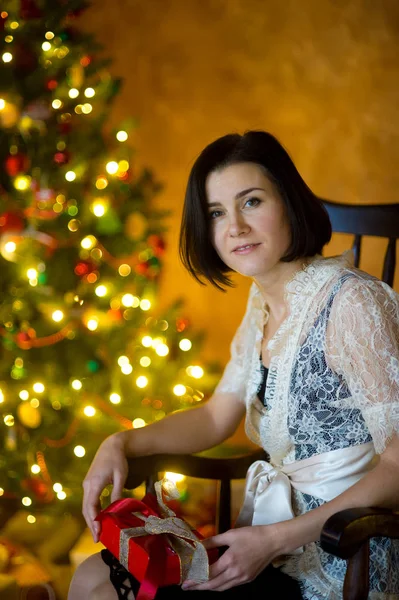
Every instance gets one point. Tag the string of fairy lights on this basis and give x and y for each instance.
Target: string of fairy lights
(54, 48)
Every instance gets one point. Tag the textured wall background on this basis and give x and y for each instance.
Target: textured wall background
(322, 75)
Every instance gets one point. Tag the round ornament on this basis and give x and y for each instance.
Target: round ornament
(62, 158)
(11, 221)
(16, 164)
(28, 415)
(135, 226)
(9, 115)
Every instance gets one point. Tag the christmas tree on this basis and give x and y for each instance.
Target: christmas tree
(84, 350)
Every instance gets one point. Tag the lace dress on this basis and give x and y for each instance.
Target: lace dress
(333, 383)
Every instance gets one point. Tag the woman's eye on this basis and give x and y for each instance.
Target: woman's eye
(215, 214)
(252, 202)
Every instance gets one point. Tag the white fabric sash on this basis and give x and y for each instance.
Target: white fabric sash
(268, 488)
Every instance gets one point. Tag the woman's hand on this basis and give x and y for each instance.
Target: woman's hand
(250, 550)
(109, 466)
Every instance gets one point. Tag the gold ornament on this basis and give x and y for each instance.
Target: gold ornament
(9, 115)
(135, 226)
(28, 415)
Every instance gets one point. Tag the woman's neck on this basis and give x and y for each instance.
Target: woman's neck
(272, 286)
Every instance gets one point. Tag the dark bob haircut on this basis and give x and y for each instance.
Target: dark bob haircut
(309, 222)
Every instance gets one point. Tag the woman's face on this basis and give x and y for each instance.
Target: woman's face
(249, 227)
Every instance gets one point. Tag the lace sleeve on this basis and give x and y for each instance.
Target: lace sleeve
(363, 347)
(233, 378)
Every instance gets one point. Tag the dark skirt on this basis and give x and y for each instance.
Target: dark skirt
(271, 583)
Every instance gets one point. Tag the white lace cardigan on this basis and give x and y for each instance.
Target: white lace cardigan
(333, 383)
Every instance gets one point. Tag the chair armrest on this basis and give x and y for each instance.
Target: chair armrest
(193, 465)
(345, 532)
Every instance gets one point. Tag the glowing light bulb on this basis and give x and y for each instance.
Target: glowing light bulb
(89, 411)
(57, 316)
(49, 35)
(79, 451)
(196, 372)
(22, 183)
(92, 324)
(179, 390)
(126, 369)
(185, 345)
(137, 423)
(35, 403)
(123, 360)
(57, 487)
(145, 304)
(101, 291)
(70, 175)
(56, 104)
(7, 57)
(101, 183)
(145, 361)
(14, 25)
(90, 92)
(24, 394)
(46, 46)
(1, 491)
(2, 104)
(76, 384)
(123, 166)
(35, 469)
(127, 300)
(73, 93)
(124, 270)
(162, 350)
(122, 136)
(31, 519)
(1, 396)
(10, 247)
(147, 341)
(31, 273)
(26, 501)
(9, 420)
(88, 242)
(115, 398)
(98, 208)
(38, 388)
(175, 477)
(112, 167)
(61, 495)
(142, 381)
(87, 108)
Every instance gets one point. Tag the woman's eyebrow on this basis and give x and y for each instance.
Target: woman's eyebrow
(238, 196)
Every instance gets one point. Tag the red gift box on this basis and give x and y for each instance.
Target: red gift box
(155, 546)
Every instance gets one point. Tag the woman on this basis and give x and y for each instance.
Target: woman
(315, 368)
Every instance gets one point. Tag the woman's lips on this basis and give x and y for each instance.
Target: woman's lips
(247, 249)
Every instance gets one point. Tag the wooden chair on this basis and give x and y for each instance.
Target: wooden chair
(347, 533)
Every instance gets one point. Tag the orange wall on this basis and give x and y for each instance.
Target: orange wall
(321, 75)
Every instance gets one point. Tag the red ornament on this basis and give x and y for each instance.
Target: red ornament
(182, 324)
(11, 221)
(16, 164)
(84, 267)
(142, 268)
(52, 84)
(157, 244)
(41, 490)
(85, 61)
(62, 158)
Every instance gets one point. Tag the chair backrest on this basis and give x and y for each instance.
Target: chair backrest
(379, 220)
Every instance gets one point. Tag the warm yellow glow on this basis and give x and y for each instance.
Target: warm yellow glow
(10, 247)
(112, 167)
(115, 398)
(145, 304)
(195, 371)
(127, 300)
(123, 166)
(73, 224)
(31, 519)
(122, 136)
(126, 369)
(9, 420)
(24, 394)
(90, 92)
(57, 487)
(87, 108)
(22, 183)
(38, 388)
(1, 491)
(145, 361)
(61, 495)
(1, 396)
(26, 501)
(35, 403)
(92, 324)
(162, 350)
(124, 270)
(79, 451)
(70, 175)
(142, 381)
(175, 477)
(179, 390)
(89, 411)
(57, 316)
(99, 208)
(14, 25)
(7, 57)
(137, 423)
(31, 273)
(49, 35)
(101, 183)
(76, 384)
(56, 104)
(88, 242)
(147, 341)
(123, 360)
(35, 469)
(101, 291)
(46, 46)
(2, 104)
(73, 93)
(185, 345)
(9, 39)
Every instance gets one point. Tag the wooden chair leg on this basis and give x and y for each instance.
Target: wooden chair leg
(356, 584)
(223, 515)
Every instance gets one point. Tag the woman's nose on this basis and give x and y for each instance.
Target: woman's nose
(237, 225)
